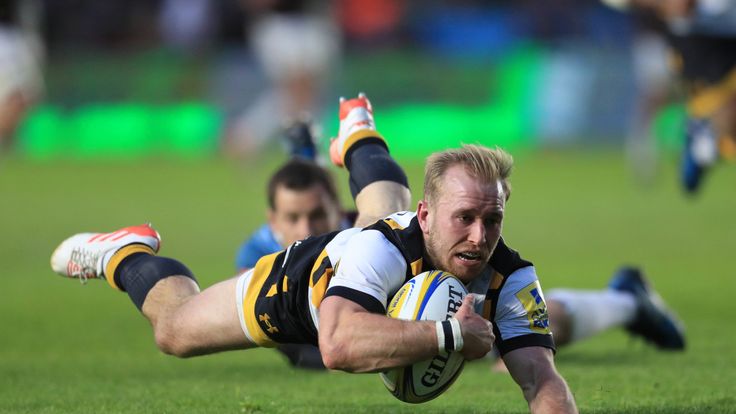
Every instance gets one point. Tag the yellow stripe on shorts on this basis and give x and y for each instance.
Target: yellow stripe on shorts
(263, 269)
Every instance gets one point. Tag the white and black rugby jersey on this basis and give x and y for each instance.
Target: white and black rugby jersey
(369, 265)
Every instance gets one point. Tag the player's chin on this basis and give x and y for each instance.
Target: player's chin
(467, 269)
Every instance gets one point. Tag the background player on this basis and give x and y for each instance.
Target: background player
(702, 34)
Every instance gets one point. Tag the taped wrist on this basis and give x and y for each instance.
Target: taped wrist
(368, 161)
(449, 335)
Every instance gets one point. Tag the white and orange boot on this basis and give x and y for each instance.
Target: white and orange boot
(86, 256)
(356, 124)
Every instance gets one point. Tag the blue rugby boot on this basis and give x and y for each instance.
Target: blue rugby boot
(699, 154)
(653, 322)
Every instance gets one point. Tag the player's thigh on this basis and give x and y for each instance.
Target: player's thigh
(380, 199)
(211, 318)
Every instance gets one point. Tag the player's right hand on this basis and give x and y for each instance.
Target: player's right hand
(477, 331)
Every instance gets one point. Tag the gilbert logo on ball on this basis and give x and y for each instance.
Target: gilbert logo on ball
(429, 296)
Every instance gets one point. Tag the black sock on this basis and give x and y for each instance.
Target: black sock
(139, 272)
(368, 161)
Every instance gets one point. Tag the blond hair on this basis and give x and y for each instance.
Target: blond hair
(480, 162)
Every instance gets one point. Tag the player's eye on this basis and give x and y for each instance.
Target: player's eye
(464, 218)
(318, 215)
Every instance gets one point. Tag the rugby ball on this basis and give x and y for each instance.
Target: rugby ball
(434, 296)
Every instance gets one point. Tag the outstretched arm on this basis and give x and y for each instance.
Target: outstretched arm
(545, 390)
(355, 340)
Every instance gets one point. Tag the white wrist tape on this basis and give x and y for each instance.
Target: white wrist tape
(440, 336)
(457, 334)
(449, 335)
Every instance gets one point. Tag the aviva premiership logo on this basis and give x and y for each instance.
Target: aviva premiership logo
(398, 301)
(536, 310)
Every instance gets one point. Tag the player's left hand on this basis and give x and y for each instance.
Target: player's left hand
(477, 331)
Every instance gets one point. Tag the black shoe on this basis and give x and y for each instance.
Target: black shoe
(653, 321)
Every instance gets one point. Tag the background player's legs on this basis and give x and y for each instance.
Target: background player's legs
(187, 322)
(578, 314)
(629, 302)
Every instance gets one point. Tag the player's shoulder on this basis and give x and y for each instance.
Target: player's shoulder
(506, 260)
(402, 218)
(263, 235)
(260, 243)
(403, 231)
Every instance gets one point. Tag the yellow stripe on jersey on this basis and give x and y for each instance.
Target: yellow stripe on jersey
(710, 99)
(358, 136)
(319, 288)
(496, 281)
(118, 257)
(260, 274)
(393, 224)
(487, 306)
(416, 266)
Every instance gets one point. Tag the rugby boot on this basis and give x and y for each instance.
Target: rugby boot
(300, 141)
(84, 256)
(699, 154)
(356, 124)
(653, 321)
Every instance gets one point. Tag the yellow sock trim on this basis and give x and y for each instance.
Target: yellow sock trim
(118, 257)
(358, 136)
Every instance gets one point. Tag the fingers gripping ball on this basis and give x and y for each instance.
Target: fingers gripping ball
(430, 296)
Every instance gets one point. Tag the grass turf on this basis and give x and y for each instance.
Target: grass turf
(578, 215)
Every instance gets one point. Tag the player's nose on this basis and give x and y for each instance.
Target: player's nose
(477, 233)
(303, 228)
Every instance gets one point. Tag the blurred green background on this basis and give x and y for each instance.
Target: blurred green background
(489, 102)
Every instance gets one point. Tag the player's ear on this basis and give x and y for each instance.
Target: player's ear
(270, 215)
(422, 215)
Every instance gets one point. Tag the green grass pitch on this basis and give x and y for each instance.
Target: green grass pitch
(66, 348)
